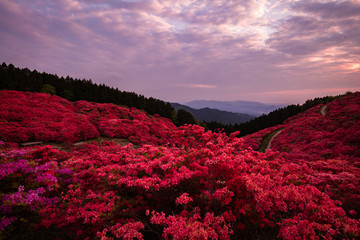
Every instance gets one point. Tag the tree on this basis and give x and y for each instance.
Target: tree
(184, 117)
(68, 94)
(47, 88)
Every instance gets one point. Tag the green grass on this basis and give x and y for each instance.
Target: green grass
(266, 140)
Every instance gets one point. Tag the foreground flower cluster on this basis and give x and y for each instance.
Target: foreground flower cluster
(176, 183)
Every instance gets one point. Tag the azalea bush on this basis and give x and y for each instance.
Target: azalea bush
(28, 116)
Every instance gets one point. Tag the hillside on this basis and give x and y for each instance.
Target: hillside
(271, 119)
(214, 115)
(13, 78)
(41, 117)
(329, 130)
(149, 179)
(327, 139)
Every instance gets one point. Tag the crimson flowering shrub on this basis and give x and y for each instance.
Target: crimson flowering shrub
(137, 126)
(28, 116)
(178, 183)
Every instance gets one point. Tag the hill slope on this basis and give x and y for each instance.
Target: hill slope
(271, 119)
(214, 115)
(29, 116)
(327, 142)
(13, 78)
(332, 134)
(176, 183)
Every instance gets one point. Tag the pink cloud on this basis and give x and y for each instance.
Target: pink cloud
(319, 91)
(201, 86)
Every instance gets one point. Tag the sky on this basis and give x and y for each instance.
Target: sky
(284, 51)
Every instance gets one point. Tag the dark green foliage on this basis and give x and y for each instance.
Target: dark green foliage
(12, 78)
(184, 117)
(267, 138)
(47, 88)
(69, 95)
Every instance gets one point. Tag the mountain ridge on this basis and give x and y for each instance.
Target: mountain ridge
(214, 115)
(238, 106)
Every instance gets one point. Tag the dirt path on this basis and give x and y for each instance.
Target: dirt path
(67, 146)
(273, 137)
(323, 110)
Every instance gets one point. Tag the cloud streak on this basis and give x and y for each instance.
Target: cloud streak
(232, 49)
(198, 86)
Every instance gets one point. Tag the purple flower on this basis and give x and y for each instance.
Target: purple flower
(5, 209)
(21, 188)
(6, 221)
(11, 167)
(66, 171)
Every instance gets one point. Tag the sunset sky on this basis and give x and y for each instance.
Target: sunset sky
(283, 51)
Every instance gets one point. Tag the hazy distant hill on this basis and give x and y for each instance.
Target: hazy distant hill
(247, 107)
(214, 115)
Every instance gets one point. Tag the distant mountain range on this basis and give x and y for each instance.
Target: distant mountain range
(215, 115)
(244, 107)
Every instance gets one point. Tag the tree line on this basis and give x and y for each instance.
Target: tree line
(13, 78)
